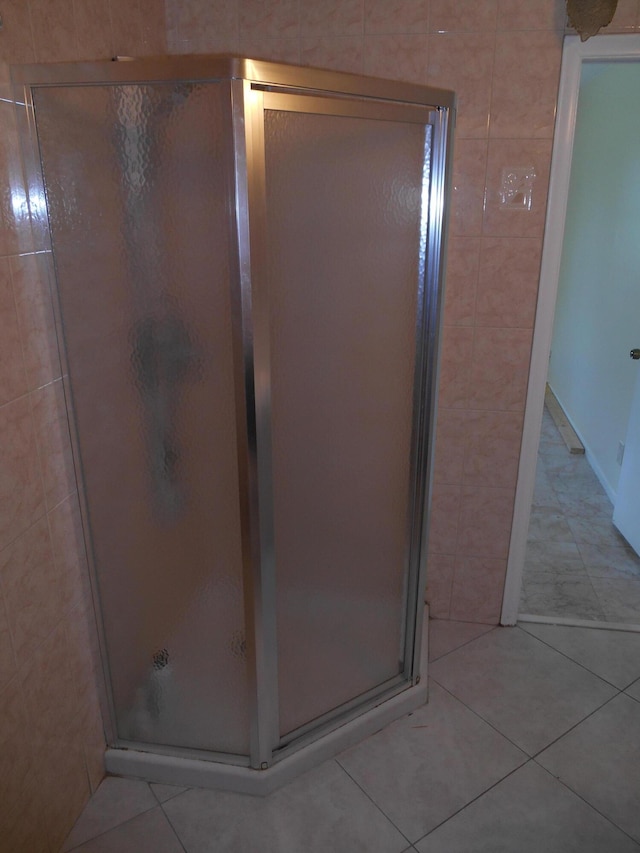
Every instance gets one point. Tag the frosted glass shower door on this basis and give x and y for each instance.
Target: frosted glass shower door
(346, 188)
(139, 183)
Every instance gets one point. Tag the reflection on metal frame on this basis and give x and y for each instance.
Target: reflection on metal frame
(264, 565)
(254, 87)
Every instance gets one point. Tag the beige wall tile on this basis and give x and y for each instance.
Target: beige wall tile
(23, 827)
(492, 448)
(49, 692)
(508, 281)
(21, 492)
(65, 785)
(35, 319)
(69, 554)
(476, 594)
(17, 759)
(275, 50)
(461, 280)
(456, 354)
(445, 512)
(396, 56)
(269, 18)
(54, 443)
(31, 590)
(153, 22)
(485, 522)
(468, 187)
(464, 62)
(94, 32)
(54, 30)
(524, 15)
(13, 380)
(396, 16)
(16, 44)
(331, 18)
(15, 229)
(439, 582)
(463, 16)
(500, 369)
(84, 656)
(526, 74)
(202, 26)
(340, 53)
(7, 656)
(450, 444)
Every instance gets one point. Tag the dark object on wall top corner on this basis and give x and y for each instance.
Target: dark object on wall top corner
(589, 16)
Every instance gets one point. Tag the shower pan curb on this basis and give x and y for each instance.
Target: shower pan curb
(197, 773)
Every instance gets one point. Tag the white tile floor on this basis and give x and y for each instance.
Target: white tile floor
(530, 743)
(577, 565)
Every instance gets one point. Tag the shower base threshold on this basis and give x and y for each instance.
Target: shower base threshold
(199, 773)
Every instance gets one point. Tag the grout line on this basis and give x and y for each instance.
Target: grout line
(486, 722)
(370, 798)
(169, 821)
(586, 802)
(495, 728)
(112, 828)
(486, 791)
(575, 726)
(462, 645)
(583, 666)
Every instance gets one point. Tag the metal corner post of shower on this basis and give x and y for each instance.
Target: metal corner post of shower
(246, 264)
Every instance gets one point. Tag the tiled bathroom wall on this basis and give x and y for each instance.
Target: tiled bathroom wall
(503, 58)
(51, 736)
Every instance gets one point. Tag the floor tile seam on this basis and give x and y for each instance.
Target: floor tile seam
(371, 800)
(173, 796)
(480, 717)
(506, 737)
(170, 822)
(111, 828)
(475, 799)
(577, 663)
(586, 802)
(466, 643)
(537, 754)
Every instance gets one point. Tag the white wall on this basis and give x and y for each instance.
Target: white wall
(597, 317)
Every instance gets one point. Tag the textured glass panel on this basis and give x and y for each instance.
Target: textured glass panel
(344, 202)
(138, 180)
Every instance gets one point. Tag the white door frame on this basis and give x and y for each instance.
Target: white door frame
(575, 52)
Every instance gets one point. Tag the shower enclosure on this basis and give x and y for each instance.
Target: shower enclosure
(247, 279)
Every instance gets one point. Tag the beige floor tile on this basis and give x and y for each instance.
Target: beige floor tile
(165, 792)
(634, 690)
(528, 812)
(150, 832)
(600, 761)
(116, 800)
(612, 655)
(324, 810)
(528, 691)
(423, 768)
(445, 635)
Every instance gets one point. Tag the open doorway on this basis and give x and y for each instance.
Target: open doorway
(567, 560)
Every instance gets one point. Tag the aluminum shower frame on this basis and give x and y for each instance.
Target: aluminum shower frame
(256, 86)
